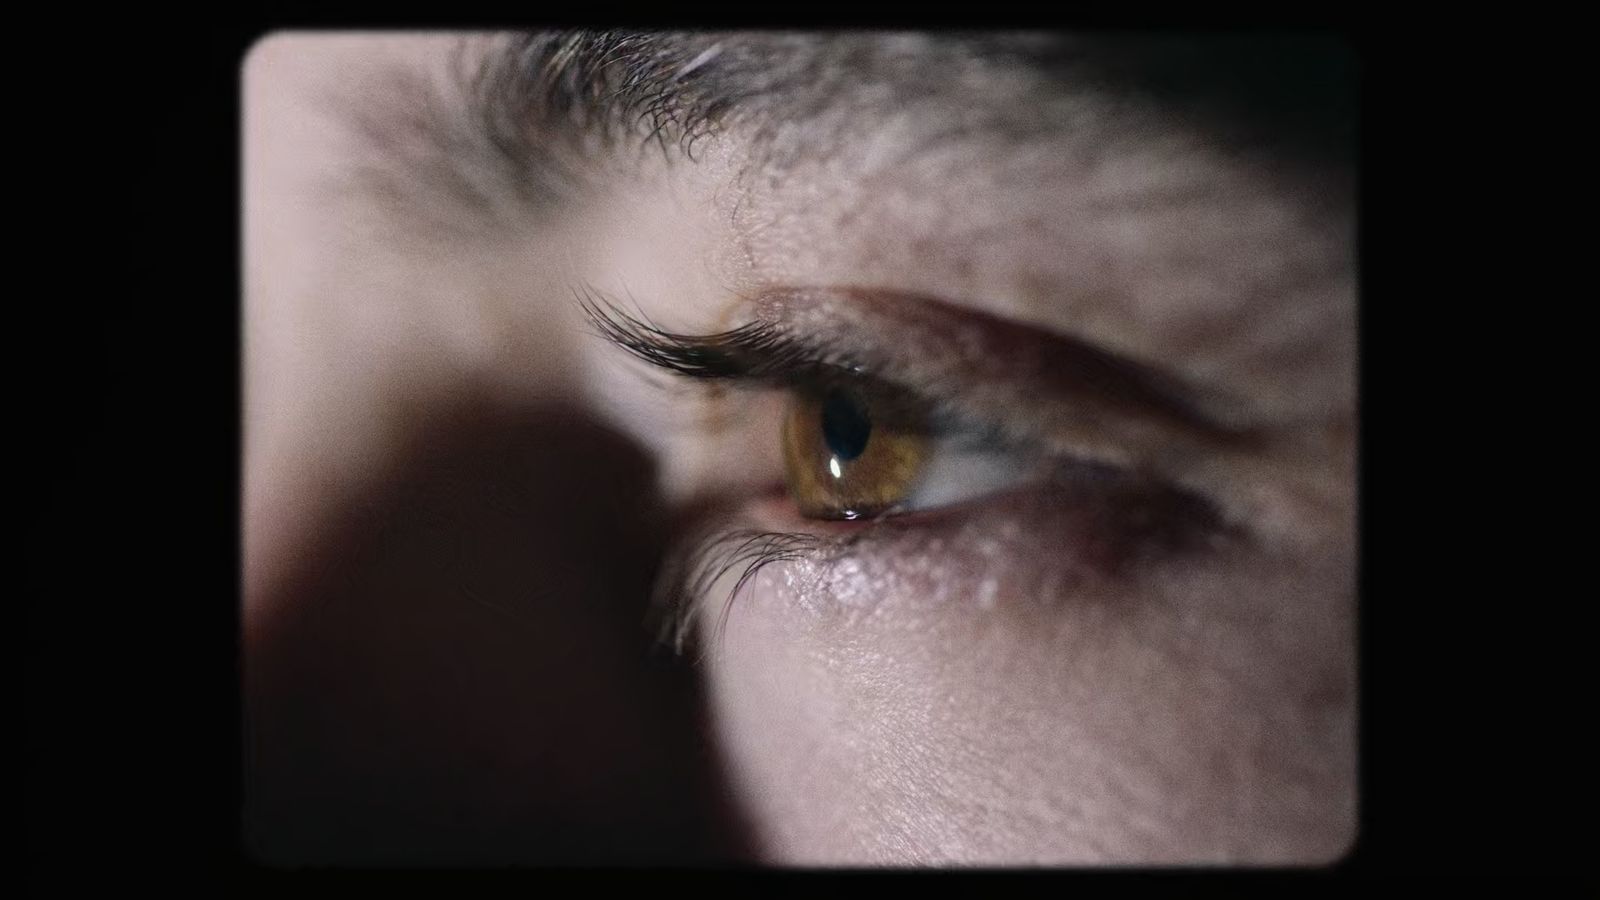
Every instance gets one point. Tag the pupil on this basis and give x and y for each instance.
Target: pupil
(845, 426)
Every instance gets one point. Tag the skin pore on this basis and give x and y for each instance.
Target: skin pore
(970, 688)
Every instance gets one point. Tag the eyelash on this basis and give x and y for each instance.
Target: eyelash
(702, 561)
(760, 353)
(754, 352)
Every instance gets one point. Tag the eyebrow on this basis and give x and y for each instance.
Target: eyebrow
(537, 117)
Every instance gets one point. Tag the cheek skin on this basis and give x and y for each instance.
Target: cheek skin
(1200, 712)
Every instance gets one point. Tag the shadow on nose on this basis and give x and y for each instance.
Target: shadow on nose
(458, 672)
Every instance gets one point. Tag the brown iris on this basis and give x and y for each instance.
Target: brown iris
(843, 461)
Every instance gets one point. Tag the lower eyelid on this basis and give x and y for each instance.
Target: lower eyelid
(1090, 535)
(1098, 521)
(1021, 550)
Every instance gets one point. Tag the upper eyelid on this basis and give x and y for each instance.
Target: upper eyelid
(1025, 386)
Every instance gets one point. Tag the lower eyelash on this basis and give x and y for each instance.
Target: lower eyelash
(686, 581)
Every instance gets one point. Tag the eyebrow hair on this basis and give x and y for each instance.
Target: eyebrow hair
(534, 118)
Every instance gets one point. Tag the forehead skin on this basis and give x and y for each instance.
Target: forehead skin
(1198, 715)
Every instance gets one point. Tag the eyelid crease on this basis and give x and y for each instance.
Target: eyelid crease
(940, 343)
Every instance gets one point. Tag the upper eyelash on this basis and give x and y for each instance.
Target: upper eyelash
(760, 351)
(756, 351)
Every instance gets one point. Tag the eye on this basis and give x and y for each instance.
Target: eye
(849, 454)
